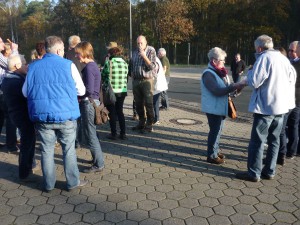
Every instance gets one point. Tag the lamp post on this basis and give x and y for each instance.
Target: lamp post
(130, 30)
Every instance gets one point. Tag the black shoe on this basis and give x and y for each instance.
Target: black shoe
(267, 177)
(29, 178)
(2, 145)
(81, 184)
(123, 136)
(13, 150)
(245, 176)
(93, 169)
(111, 137)
(290, 156)
(149, 128)
(281, 161)
(138, 127)
(217, 160)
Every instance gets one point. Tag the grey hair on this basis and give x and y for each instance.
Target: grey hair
(297, 43)
(162, 51)
(216, 53)
(264, 41)
(53, 43)
(73, 41)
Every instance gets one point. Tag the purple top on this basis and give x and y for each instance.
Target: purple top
(91, 78)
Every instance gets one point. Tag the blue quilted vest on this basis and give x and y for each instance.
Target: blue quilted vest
(51, 92)
(217, 105)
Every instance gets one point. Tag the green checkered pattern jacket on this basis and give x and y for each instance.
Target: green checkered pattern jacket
(119, 74)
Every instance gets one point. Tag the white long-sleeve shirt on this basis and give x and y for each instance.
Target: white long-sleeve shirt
(271, 79)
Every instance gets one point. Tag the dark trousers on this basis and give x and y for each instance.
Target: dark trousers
(236, 78)
(164, 96)
(116, 110)
(156, 107)
(27, 148)
(143, 95)
(11, 131)
(282, 137)
(2, 115)
(293, 131)
(134, 108)
(27, 145)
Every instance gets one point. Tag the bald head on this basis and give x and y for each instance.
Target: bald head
(141, 42)
(294, 51)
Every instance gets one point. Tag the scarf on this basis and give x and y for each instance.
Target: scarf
(222, 73)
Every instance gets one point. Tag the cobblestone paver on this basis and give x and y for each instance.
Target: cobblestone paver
(156, 178)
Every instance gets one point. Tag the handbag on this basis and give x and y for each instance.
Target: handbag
(101, 113)
(232, 113)
(109, 97)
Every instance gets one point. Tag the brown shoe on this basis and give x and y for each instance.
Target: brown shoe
(217, 160)
(221, 156)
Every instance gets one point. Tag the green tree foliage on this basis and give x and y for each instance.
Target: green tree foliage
(230, 24)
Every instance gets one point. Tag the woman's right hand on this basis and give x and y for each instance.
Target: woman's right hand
(240, 85)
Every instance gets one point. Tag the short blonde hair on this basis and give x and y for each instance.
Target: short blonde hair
(13, 61)
(85, 49)
(34, 55)
(216, 53)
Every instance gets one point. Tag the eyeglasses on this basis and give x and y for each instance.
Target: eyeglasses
(291, 50)
(221, 60)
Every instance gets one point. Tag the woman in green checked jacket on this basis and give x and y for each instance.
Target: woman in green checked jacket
(118, 80)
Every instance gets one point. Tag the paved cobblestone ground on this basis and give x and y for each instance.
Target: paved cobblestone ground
(157, 178)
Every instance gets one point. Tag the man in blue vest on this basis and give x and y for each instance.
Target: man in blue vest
(51, 87)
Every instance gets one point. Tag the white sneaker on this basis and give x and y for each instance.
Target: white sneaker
(157, 123)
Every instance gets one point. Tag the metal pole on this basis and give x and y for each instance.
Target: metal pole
(130, 22)
(189, 52)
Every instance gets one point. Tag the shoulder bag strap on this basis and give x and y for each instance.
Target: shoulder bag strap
(110, 70)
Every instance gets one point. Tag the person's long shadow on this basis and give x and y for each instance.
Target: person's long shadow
(153, 148)
(10, 172)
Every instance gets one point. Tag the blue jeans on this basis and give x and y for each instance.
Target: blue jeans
(293, 131)
(216, 124)
(156, 107)
(65, 133)
(266, 128)
(89, 132)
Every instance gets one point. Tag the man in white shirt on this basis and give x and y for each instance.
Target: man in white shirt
(270, 78)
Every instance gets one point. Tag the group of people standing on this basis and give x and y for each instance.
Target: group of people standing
(273, 79)
(52, 99)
